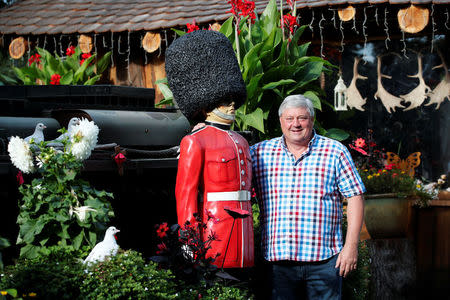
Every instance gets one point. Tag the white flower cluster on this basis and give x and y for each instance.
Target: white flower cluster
(20, 154)
(84, 138)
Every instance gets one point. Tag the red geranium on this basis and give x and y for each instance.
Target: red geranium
(84, 56)
(290, 21)
(70, 51)
(162, 230)
(192, 27)
(55, 79)
(34, 58)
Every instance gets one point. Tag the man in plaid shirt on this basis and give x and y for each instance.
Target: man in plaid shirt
(300, 180)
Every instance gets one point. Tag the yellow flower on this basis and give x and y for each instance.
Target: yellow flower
(377, 174)
(4, 293)
(369, 177)
(32, 294)
(365, 170)
(418, 186)
(384, 171)
(403, 172)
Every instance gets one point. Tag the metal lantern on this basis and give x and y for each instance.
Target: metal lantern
(340, 95)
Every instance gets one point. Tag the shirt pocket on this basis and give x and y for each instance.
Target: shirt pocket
(221, 165)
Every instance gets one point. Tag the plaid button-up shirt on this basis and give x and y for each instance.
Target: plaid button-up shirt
(300, 200)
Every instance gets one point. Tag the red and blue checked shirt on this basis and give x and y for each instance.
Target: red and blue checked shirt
(300, 200)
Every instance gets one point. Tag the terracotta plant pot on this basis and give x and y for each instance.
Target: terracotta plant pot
(387, 216)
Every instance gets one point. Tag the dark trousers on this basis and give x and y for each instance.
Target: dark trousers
(305, 280)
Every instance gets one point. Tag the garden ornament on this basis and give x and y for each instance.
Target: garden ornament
(442, 90)
(214, 167)
(107, 247)
(354, 98)
(389, 101)
(418, 95)
(70, 127)
(38, 134)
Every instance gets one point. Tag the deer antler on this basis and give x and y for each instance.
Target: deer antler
(442, 90)
(354, 98)
(389, 101)
(420, 92)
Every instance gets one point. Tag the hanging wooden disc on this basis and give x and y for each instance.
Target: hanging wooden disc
(346, 14)
(216, 26)
(413, 19)
(151, 42)
(18, 47)
(85, 43)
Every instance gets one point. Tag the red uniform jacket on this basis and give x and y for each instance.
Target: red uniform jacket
(214, 171)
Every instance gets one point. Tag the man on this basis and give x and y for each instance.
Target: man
(300, 179)
(214, 167)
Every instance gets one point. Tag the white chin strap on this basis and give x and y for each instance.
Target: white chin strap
(222, 115)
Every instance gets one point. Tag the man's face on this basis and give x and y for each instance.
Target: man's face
(225, 113)
(297, 125)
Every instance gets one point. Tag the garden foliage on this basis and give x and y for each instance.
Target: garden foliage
(75, 69)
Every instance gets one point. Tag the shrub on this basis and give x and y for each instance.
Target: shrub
(127, 276)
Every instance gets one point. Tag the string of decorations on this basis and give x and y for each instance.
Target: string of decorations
(386, 29)
(112, 49)
(128, 59)
(433, 26)
(321, 36)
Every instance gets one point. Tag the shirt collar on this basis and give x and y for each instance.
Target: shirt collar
(310, 143)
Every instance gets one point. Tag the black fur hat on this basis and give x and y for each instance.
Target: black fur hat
(203, 73)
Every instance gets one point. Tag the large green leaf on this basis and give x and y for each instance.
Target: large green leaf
(269, 17)
(93, 80)
(314, 99)
(30, 251)
(103, 62)
(77, 240)
(67, 78)
(227, 27)
(337, 134)
(272, 85)
(255, 119)
(250, 60)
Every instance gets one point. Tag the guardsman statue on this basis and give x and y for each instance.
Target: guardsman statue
(214, 167)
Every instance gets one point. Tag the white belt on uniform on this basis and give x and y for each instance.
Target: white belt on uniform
(229, 196)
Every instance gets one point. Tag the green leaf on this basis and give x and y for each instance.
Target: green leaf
(67, 78)
(103, 62)
(250, 60)
(269, 17)
(78, 239)
(92, 238)
(337, 134)
(272, 85)
(255, 119)
(227, 27)
(314, 99)
(179, 32)
(29, 251)
(12, 292)
(92, 80)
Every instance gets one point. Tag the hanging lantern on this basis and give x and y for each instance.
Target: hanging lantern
(340, 95)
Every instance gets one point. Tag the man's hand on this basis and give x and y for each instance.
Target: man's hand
(347, 259)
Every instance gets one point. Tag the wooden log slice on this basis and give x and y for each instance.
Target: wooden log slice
(216, 26)
(85, 43)
(151, 41)
(18, 47)
(346, 14)
(413, 19)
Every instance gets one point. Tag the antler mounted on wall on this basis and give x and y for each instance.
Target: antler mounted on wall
(442, 90)
(389, 101)
(418, 95)
(354, 98)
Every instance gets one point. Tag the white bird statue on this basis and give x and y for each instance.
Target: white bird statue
(107, 247)
(38, 134)
(70, 127)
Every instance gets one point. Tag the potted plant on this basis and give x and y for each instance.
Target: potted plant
(391, 191)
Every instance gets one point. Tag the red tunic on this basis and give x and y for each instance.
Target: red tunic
(214, 171)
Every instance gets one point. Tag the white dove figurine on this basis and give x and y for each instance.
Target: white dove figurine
(70, 127)
(38, 135)
(107, 247)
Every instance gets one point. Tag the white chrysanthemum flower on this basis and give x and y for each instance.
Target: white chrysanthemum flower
(84, 138)
(20, 154)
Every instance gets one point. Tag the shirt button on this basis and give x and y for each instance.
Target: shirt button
(243, 183)
(223, 159)
(242, 172)
(240, 150)
(237, 142)
(242, 162)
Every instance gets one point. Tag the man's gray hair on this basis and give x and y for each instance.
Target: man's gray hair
(295, 101)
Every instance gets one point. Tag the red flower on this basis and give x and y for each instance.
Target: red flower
(362, 151)
(213, 236)
(84, 56)
(389, 167)
(236, 212)
(394, 175)
(120, 159)
(360, 143)
(290, 21)
(70, 51)
(162, 229)
(34, 58)
(212, 217)
(55, 79)
(162, 248)
(248, 9)
(19, 177)
(192, 27)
